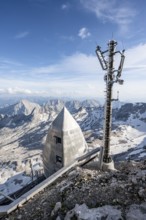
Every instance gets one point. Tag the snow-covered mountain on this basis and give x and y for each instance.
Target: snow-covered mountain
(73, 105)
(20, 117)
(23, 107)
(18, 114)
(24, 125)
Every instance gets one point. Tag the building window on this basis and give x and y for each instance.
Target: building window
(58, 159)
(57, 140)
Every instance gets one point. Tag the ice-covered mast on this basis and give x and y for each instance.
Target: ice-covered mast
(112, 76)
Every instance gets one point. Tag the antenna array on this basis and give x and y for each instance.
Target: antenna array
(112, 76)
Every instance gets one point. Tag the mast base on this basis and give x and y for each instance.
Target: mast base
(107, 159)
(108, 166)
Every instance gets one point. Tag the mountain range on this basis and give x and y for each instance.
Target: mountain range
(24, 126)
(26, 121)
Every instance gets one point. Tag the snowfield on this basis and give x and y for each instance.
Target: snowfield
(24, 126)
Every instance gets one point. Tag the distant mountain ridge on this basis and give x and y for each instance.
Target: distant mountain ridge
(73, 105)
(24, 127)
(128, 120)
(88, 113)
(23, 107)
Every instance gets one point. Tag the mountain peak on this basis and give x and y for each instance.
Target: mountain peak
(23, 107)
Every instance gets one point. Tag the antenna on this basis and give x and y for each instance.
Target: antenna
(101, 58)
(123, 45)
(117, 99)
(112, 76)
(117, 95)
(120, 68)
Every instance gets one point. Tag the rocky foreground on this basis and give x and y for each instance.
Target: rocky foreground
(88, 194)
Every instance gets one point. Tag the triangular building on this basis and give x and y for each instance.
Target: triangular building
(65, 142)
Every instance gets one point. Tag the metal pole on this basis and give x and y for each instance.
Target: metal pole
(6, 196)
(108, 106)
(112, 76)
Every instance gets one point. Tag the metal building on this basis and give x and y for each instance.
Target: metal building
(65, 142)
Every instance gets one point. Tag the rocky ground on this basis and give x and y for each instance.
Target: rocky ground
(86, 193)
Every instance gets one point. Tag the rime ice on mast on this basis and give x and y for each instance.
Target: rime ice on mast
(65, 142)
(112, 76)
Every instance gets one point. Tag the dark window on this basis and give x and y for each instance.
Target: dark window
(58, 159)
(57, 140)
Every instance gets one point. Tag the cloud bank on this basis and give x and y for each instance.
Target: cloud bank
(77, 75)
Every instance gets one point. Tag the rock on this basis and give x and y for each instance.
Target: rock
(73, 173)
(136, 212)
(134, 180)
(56, 208)
(19, 217)
(111, 192)
(114, 182)
(141, 192)
(70, 215)
(82, 212)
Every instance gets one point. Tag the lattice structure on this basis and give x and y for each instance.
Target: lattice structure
(112, 76)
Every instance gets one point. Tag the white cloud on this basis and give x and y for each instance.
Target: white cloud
(15, 90)
(64, 6)
(80, 75)
(113, 11)
(78, 64)
(132, 91)
(136, 56)
(69, 88)
(22, 35)
(84, 33)
(8, 62)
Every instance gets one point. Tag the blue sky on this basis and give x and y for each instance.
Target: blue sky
(47, 47)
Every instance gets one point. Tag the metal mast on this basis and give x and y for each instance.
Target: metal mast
(112, 76)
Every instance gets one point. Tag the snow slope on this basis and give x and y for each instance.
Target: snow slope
(23, 107)
(24, 126)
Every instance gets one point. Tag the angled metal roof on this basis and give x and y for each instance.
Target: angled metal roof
(64, 121)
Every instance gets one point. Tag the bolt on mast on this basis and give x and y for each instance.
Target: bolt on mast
(112, 76)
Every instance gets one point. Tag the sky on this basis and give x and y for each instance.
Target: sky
(47, 47)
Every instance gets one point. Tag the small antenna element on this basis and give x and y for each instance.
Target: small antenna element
(117, 95)
(112, 76)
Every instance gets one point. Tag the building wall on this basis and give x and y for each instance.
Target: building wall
(74, 145)
(52, 153)
(65, 142)
(57, 155)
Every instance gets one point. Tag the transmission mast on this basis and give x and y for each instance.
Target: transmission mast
(112, 76)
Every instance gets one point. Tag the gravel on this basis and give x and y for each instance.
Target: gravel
(122, 190)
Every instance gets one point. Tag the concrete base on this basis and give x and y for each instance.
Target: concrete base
(108, 166)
